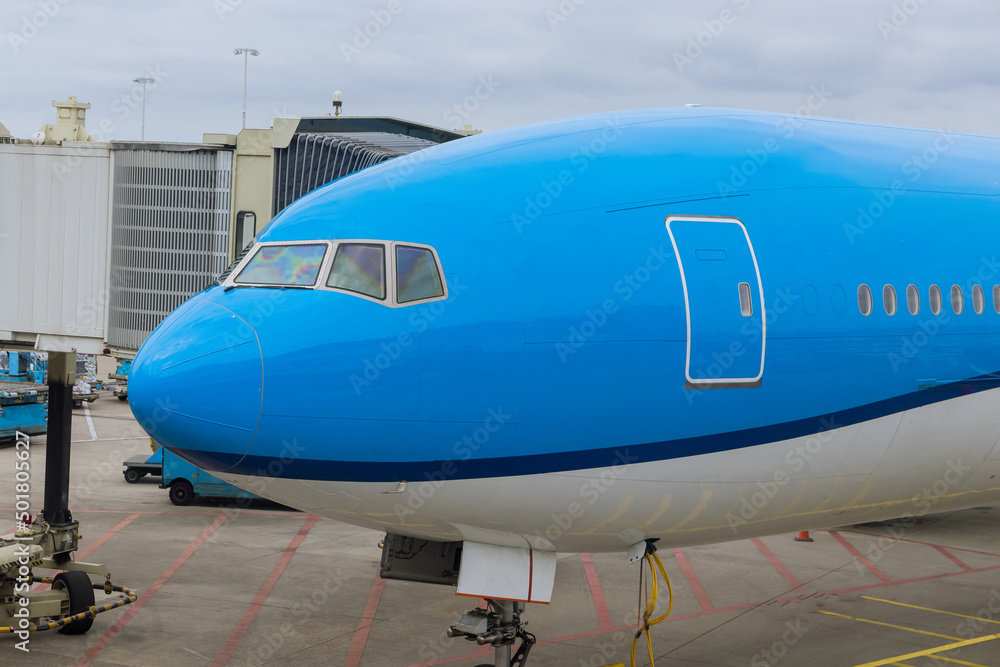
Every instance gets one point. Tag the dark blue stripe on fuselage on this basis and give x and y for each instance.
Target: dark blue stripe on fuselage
(395, 471)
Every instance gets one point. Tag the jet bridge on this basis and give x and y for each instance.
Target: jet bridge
(100, 241)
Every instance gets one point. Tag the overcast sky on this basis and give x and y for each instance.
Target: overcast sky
(925, 63)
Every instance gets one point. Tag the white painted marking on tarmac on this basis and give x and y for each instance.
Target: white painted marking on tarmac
(138, 437)
(90, 422)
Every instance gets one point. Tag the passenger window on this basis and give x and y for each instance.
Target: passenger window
(996, 298)
(864, 300)
(913, 299)
(889, 299)
(359, 267)
(935, 299)
(957, 300)
(417, 275)
(284, 265)
(978, 300)
(746, 303)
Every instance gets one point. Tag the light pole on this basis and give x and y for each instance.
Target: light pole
(143, 80)
(245, 53)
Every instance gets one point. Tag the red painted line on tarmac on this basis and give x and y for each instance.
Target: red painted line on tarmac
(699, 590)
(864, 561)
(869, 587)
(365, 624)
(226, 652)
(778, 565)
(952, 557)
(600, 604)
(91, 548)
(134, 608)
(94, 546)
(930, 544)
(445, 661)
(630, 629)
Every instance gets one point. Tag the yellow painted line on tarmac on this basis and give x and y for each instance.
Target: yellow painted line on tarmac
(930, 651)
(959, 662)
(890, 625)
(936, 611)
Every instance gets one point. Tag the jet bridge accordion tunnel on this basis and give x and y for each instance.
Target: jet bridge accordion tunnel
(313, 159)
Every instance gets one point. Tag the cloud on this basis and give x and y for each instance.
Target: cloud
(933, 65)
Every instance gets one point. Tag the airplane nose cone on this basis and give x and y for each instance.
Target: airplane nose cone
(196, 385)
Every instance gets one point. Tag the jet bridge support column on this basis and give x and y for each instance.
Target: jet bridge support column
(62, 375)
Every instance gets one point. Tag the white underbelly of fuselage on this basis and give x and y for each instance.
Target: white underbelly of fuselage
(935, 458)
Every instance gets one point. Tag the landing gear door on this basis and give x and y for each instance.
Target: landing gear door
(723, 301)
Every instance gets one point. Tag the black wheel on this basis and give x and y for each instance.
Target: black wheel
(181, 492)
(77, 404)
(81, 598)
(122, 397)
(132, 476)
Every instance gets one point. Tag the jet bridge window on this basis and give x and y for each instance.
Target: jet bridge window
(417, 275)
(297, 265)
(360, 268)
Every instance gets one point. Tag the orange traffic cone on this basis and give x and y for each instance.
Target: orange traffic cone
(803, 536)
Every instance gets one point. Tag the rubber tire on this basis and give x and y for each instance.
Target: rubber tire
(132, 476)
(181, 492)
(122, 397)
(81, 598)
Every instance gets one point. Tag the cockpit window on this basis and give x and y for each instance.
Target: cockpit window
(236, 262)
(393, 273)
(283, 265)
(359, 267)
(417, 274)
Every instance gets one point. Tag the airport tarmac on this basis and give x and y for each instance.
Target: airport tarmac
(264, 585)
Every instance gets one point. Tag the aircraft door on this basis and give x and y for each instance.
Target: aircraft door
(723, 301)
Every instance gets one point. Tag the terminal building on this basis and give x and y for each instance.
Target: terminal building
(102, 240)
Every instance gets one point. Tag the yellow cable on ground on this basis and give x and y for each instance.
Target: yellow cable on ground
(647, 614)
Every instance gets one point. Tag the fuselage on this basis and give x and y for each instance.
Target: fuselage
(652, 325)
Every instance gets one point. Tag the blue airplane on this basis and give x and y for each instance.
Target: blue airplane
(687, 325)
